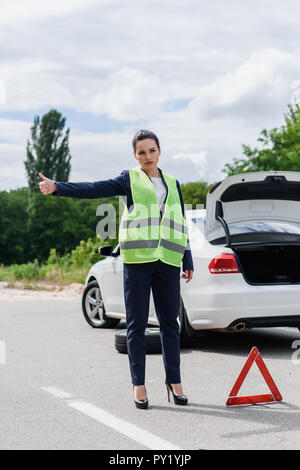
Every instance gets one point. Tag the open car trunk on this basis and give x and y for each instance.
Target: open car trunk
(269, 264)
(257, 215)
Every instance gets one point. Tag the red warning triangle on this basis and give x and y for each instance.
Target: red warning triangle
(254, 356)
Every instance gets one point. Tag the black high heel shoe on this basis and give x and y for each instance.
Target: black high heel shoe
(178, 399)
(142, 404)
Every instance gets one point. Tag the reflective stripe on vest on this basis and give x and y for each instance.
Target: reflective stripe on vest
(140, 222)
(130, 244)
(144, 235)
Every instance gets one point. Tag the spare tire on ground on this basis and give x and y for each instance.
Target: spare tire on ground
(152, 337)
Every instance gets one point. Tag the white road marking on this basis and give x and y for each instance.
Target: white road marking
(146, 438)
(2, 353)
(57, 392)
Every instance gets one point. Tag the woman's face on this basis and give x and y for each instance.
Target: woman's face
(147, 154)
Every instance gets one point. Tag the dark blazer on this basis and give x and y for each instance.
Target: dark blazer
(119, 186)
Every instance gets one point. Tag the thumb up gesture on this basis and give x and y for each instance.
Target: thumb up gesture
(47, 186)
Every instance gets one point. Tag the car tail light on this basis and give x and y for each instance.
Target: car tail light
(223, 263)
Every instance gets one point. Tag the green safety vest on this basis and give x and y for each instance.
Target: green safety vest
(144, 235)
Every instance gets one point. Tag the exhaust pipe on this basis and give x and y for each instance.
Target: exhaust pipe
(240, 327)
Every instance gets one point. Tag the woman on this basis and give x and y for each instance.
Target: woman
(153, 243)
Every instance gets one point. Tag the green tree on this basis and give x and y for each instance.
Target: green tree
(195, 193)
(62, 223)
(48, 150)
(52, 223)
(280, 148)
(14, 240)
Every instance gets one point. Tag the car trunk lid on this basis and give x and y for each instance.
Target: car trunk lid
(254, 208)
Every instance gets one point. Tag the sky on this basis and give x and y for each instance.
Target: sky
(206, 77)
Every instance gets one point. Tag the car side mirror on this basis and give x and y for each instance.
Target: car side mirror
(106, 250)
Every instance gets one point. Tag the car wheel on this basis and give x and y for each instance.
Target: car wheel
(182, 319)
(93, 308)
(152, 337)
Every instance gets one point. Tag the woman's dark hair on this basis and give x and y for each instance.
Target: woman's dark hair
(142, 135)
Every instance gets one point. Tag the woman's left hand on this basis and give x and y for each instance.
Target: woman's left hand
(188, 275)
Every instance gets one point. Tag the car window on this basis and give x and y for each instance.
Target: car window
(269, 226)
(199, 222)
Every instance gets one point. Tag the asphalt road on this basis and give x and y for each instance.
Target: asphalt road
(64, 386)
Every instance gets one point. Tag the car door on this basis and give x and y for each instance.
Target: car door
(112, 289)
(111, 284)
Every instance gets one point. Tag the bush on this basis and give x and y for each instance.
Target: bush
(30, 271)
(71, 267)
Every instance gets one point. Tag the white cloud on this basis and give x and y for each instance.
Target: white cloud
(13, 138)
(97, 156)
(14, 131)
(16, 11)
(265, 77)
(2, 92)
(130, 96)
(197, 158)
(196, 162)
(33, 84)
(235, 64)
(12, 174)
(296, 93)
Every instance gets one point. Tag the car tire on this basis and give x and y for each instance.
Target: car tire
(152, 337)
(93, 308)
(182, 320)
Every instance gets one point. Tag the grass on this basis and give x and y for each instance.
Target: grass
(56, 270)
(42, 278)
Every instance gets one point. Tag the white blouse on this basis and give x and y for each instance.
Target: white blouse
(159, 189)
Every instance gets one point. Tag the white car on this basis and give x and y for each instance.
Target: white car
(246, 249)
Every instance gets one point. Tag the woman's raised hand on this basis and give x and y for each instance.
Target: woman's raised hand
(47, 186)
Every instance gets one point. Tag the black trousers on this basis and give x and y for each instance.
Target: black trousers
(164, 280)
